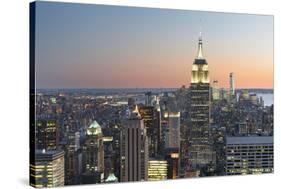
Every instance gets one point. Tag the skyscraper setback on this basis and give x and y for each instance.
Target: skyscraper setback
(200, 151)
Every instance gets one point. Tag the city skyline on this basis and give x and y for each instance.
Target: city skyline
(155, 48)
(109, 135)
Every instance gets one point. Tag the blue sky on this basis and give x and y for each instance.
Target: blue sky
(96, 46)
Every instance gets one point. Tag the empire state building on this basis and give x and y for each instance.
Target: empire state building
(200, 152)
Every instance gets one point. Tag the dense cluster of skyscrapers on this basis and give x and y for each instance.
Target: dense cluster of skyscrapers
(84, 137)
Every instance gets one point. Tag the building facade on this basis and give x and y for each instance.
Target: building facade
(200, 151)
(249, 155)
(150, 117)
(134, 149)
(46, 132)
(172, 156)
(48, 170)
(73, 159)
(93, 155)
(157, 169)
(173, 134)
(215, 91)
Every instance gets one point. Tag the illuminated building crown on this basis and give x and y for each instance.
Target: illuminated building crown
(135, 113)
(94, 129)
(200, 70)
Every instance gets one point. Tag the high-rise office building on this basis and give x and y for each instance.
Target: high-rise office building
(150, 117)
(148, 99)
(131, 103)
(215, 91)
(73, 158)
(164, 131)
(158, 115)
(231, 91)
(93, 155)
(231, 84)
(108, 154)
(249, 155)
(244, 95)
(48, 170)
(46, 131)
(173, 138)
(225, 94)
(173, 159)
(157, 169)
(134, 149)
(200, 152)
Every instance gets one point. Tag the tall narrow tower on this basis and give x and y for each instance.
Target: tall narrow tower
(93, 155)
(200, 153)
(134, 149)
(231, 84)
(215, 91)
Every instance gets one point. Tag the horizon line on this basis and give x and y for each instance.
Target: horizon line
(240, 88)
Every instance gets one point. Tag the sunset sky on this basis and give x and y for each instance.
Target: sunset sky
(95, 46)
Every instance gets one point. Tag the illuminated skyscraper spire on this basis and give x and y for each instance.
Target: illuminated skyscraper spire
(200, 71)
(200, 47)
(200, 147)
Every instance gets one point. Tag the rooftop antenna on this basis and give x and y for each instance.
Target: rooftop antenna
(200, 30)
(200, 48)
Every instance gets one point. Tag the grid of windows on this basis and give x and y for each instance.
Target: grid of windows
(252, 158)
